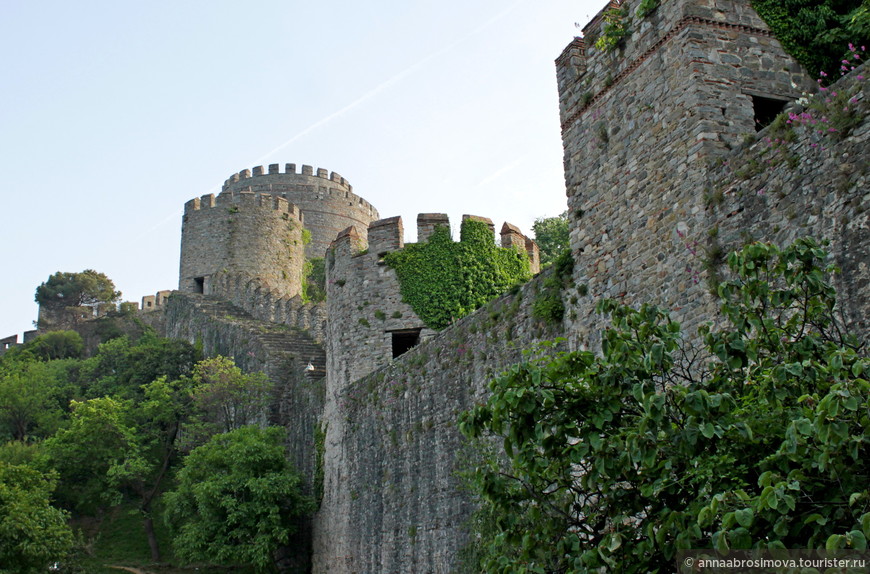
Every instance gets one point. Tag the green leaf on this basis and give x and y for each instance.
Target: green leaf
(708, 430)
(804, 426)
(744, 517)
(835, 542)
(857, 540)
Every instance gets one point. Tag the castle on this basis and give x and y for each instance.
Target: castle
(667, 163)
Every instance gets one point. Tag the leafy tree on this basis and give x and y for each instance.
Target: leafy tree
(94, 453)
(33, 397)
(63, 290)
(33, 534)
(551, 235)
(20, 453)
(116, 449)
(55, 345)
(122, 367)
(237, 501)
(224, 399)
(614, 462)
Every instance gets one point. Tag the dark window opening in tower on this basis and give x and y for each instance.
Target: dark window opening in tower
(199, 284)
(766, 110)
(404, 341)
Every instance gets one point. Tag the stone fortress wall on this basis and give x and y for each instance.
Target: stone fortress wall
(368, 322)
(326, 199)
(663, 169)
(249, 294)
(641, 126)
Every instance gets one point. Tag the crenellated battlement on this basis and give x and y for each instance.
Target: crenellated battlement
(370, 322)
(289, 170)
(325, 198)
(386, 235)
(258, 234)
(587, 72)
(244, 200)
(262, 303)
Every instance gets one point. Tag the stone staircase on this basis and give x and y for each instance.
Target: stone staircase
(274, 339)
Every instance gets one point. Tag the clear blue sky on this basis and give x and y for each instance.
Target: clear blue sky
(113, 114)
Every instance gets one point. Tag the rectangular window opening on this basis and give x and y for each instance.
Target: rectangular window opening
(199, 284)
(404, 341)
(766, 110)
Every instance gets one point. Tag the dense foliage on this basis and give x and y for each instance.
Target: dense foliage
(443, 280)
(85, 434)
(549, 305)
(612, 462)
(224, 399)
(551, 235)
(816, 32)
(33, 534)
(238, 499)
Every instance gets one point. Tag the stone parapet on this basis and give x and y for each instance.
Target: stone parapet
(325, 198)
(369, 322)
(427, 223)
(386, 235)
(248, 294)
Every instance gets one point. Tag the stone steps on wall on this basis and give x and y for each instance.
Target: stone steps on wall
(274, 339)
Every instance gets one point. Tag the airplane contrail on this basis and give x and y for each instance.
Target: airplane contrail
(360, 100)
(386, 84)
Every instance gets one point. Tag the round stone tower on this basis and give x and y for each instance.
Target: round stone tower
(257, 235)
(326, 200)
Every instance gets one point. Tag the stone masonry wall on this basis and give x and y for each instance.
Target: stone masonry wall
(660, 181)
(248, 294)
(326, 199)
(640, 127)
(814, 185)
(279, 351)
(363, 302)
(392, 500)
(254, 234)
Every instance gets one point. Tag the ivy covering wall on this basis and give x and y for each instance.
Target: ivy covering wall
(443, 280)
(817, 32)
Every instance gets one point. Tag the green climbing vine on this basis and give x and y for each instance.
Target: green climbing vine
(314, 280)
(815, 32)
(443, 280)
